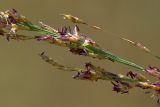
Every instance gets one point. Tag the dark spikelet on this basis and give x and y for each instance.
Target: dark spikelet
(78, 51)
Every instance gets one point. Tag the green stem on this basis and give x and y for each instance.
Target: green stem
(38, 28)
(112, 57)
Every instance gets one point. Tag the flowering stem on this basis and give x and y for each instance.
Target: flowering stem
(103, 74)
(11, 22)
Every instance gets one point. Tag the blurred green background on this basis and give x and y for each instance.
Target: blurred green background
(27, 81)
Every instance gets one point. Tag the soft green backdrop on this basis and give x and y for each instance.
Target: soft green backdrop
(27, 81)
